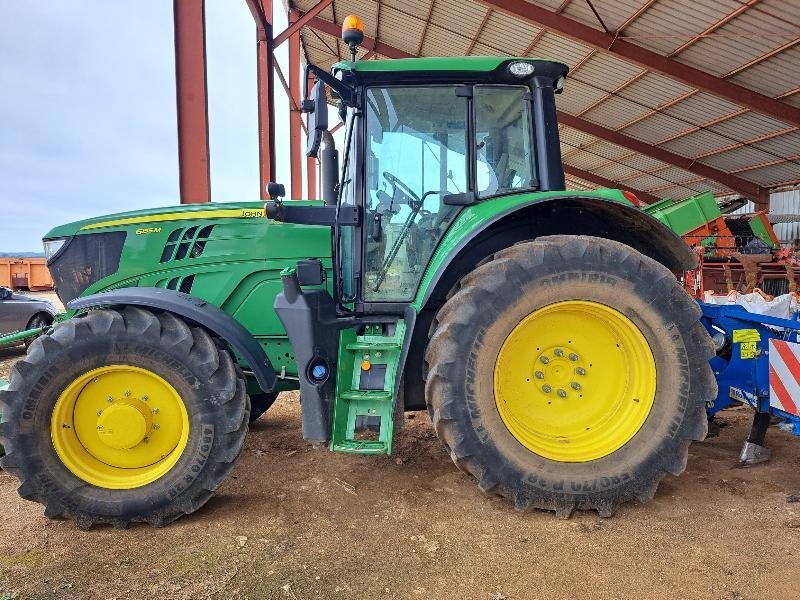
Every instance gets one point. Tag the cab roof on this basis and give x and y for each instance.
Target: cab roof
(477, 67)
(443, 63)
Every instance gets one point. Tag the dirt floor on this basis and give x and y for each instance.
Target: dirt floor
(295, 523)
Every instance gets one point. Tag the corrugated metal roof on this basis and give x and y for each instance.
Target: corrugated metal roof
(741, 44)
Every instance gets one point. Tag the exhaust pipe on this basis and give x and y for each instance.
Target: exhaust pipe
(329, 166)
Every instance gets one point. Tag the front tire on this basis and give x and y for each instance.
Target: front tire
(123, 416)
(569, 373)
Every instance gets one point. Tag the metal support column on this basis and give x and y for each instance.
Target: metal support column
(192, 101)
(266, 98)
(295, 117)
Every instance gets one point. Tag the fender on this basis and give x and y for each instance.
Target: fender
(487, 227)
(605, 215)
(201, 312)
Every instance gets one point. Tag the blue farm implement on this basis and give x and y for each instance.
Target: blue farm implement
(757, 362)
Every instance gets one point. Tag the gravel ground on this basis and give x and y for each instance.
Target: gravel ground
(295, 523)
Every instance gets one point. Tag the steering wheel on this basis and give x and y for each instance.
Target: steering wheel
(395, 182)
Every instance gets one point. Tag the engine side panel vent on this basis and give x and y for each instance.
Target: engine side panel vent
(169, 247)
(186, 243)
(186, 284)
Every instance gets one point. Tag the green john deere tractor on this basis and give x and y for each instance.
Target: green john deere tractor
(445, 268)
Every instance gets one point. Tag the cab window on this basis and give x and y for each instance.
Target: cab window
(415, 156)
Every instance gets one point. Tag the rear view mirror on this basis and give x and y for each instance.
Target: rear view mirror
(317, 110)
(5, 293)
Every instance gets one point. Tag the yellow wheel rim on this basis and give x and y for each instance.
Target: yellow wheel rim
(119, 427)
(574, 381)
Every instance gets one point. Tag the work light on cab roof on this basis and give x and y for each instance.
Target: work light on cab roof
(521, 69)
(353, 33)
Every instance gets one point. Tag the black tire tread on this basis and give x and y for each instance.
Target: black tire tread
(214, 362)
(473, 294)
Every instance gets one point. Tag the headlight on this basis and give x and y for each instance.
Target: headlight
(521, 69)
(559, 85)
(52, 246)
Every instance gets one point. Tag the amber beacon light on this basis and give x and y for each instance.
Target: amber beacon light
(353, 33)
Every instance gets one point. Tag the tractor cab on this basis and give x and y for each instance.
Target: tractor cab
(425, 138)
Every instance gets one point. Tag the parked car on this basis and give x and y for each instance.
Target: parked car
(19, 312)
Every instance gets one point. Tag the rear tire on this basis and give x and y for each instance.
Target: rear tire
(491, 302)
(204, 377)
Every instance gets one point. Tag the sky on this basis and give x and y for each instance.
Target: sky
(87, 110)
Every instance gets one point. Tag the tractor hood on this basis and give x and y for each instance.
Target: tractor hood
(203, 249)
(212, 210)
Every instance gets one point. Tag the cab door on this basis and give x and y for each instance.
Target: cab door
(415, 156)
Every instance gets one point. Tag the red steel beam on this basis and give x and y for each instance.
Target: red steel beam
(612, 44)
(714, 26)
(265, 81)
(474, 41)
(295, 27)
(535, 40)
(645, 197)
(742, 186)
(642, 9)
(791, 92)
(192, 101)
(762, 58)
(613, 92)
(424, 28)
(563, 6)
(292, 101)
(295, 116)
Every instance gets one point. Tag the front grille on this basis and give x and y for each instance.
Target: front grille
(84, 260)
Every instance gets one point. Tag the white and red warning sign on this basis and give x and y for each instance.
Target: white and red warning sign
(784, 376)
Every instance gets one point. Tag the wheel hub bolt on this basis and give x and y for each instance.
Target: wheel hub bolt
(575, 385)
(573, 357)
(539, 375)
(547, 389)
(544, 360)
(156, 426)
(110, 399)
(558, 352)
(580, 371)
(99, 412)
(155, 411)
(145, 398)
(562, 394)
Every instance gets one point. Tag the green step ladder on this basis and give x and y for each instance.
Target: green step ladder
(365, 382)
